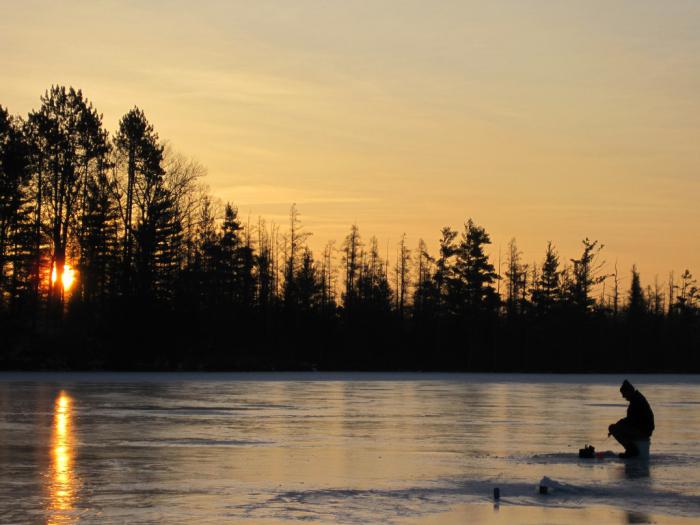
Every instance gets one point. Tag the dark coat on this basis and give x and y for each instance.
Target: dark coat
(639, 414)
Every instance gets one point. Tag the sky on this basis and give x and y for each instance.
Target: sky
(541, 120)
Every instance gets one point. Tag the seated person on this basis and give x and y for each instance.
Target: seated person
(637, 426)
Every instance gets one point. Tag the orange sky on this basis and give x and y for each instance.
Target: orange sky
(541, 120)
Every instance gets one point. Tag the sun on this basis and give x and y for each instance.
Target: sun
(68, 276)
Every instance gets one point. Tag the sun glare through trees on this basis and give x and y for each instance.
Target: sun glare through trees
(67, 279)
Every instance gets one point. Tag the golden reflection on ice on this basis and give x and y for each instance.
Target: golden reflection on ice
(62, 482)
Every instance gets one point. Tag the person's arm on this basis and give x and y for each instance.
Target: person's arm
(620, 422)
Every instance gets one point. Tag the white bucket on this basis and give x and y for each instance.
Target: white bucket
(643, 448)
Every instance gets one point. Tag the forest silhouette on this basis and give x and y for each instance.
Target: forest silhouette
(114, 256)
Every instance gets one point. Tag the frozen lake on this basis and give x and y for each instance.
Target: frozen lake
(339, 448)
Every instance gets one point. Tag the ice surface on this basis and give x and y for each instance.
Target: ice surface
(339, 448)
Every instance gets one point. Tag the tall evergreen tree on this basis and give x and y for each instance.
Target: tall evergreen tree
(308, 283)
(265, 268)
(656, 306)
(425, 295)
(68, 136)
(402, 271)
(140, 158)
(236, 261)
(293, 247)
(548, 289)
(444, 267)
(586, 275)
(688, 299)
(159, 239)
(207, 262)
(14, 196)
(351, 260)
(99, 242)
(516, 279)
(636, 303)
(328, 279)
(373, 293)
(471, 288)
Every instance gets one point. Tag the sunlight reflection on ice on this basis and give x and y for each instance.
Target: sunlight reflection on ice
(62, 485)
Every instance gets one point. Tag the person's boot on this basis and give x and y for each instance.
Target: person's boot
(631, 451)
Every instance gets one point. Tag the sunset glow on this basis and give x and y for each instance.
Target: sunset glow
(542, 121)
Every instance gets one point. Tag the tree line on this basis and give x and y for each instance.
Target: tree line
(113, 255)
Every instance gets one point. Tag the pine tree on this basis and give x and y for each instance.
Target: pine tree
(688, 300)
(163, 221)
(548, 291)
(140, 158)
(293, 245)
(636, 304)
(207, 261)
(444, 268)
(14, 208)
(99, 243)
(351, 260)
(308, 283)
(328, 279)
(471, 287)
(236, 261)
(68, 137)
(425, 295)
(264, 268)
(585, 276)
(516, 279)
(373, 293)
(402, 271)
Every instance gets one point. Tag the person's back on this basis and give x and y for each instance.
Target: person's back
(639, 413)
